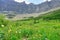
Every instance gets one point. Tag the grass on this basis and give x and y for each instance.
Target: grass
(45, 27)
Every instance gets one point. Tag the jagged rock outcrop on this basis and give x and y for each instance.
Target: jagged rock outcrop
(11, 5)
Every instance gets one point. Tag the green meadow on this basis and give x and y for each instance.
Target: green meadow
(44, 27)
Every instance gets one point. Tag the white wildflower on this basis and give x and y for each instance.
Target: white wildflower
(2, 25)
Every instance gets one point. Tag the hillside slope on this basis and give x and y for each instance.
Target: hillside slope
(51, 15)
(32, 28)
(42, 14)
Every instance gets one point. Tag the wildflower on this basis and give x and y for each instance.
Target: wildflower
(19, 32)
(24, 39)
(2, 25)
(16, 32)
(46, 39)
(9, 30)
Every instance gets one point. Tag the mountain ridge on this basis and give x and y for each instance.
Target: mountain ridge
(22, 8)
(32, 15)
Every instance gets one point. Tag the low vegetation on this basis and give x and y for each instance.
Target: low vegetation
(44, 27)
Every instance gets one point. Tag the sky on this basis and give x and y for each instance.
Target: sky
(32, 1)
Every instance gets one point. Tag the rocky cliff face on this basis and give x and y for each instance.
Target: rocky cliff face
(11, 5)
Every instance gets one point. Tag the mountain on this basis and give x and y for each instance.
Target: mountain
(11, 5)
(53, 15)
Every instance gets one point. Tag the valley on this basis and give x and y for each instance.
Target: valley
(44, 27)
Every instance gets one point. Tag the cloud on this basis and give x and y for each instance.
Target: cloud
(19, 0)
(22, 1)
(28, 2)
